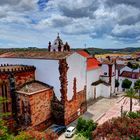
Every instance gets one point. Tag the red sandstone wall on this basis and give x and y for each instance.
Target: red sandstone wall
(41, 106)
(24, 77)
(76, 104)
(20, 79)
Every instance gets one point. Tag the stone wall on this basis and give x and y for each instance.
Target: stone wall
(20, 79)
(76, 107)
(40, 104)
(24, 77)
(40, 109)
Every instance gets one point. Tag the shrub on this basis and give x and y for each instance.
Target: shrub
(126, 128)
(85, 127)
(23, 136)
(133, 115)
(36, 135)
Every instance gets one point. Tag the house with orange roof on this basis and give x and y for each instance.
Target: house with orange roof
(95, 86)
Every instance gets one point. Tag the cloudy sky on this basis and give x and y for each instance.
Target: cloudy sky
(96, 23)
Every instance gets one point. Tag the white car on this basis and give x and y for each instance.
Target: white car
(70, 131)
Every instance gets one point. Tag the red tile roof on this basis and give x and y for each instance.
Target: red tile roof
(33, 87)
(36, 55)
(92, 63)
(83, 53)
(129, 74)
(120, 66)
(109, 62)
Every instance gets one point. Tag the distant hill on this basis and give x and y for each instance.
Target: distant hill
(104, 51)
(90, 50)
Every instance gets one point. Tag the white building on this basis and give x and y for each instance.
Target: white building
(95, 86)
(108, 73)
(79, 68)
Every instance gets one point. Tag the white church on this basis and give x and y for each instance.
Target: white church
(97, 77)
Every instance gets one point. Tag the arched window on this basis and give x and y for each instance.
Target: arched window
(4, 94)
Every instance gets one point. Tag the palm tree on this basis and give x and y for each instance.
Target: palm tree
(132, 95)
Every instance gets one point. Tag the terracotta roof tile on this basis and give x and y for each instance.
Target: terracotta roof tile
(129, 74)
(110, 62)
(92, 63)
(120, 66)
(36, 55)
(83, 53)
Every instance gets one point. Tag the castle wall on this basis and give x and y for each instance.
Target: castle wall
(40, 108)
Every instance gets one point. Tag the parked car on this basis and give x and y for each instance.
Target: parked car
(58, 129)
(70, 131)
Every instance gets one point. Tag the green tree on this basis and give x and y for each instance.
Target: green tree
(4, 132)
(137, 86)
(132, 95)
(117, 84)
(126, 84)
(4, 135)
(85, 127)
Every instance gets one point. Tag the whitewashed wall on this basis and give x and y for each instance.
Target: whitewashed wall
(46, 70)
(77, 68)
(92, 76)
(106, 79)
(113, 69)
(105, 91)
(113, 85)
(117, 74)
(98, 90)
(105, 69)
(101, 90)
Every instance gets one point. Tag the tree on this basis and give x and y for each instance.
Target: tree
(85, 127)
(126, 84)
(117, 84)
(132, 95)
(137, 86)
(4, 135)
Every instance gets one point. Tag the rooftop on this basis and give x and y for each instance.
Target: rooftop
(36, 55)
(100, 82)
(120, 66)
(83, 53)
(92, 63)
(129, 74)
(109, 62)
(33, 87)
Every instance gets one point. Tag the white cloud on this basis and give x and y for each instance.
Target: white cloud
(118, 20)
